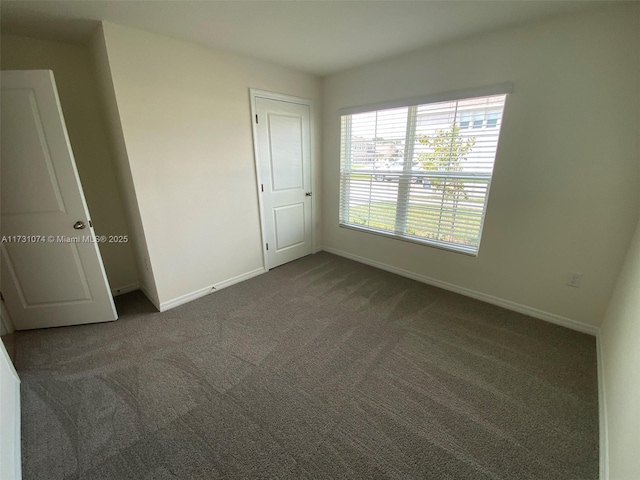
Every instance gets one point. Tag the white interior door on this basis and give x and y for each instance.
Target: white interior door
(10, 451)
(284, 160)
(52, 272)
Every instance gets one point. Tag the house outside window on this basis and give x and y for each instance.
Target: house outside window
(479, 118)
(428, 178)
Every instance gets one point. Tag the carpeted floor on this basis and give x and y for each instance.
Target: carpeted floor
(321, 368)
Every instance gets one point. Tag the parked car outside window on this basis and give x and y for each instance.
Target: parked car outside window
(392, 171)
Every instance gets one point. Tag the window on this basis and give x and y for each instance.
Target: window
(465, 119)
(478, 119)
(488, 119)
(427, 178)
(492, 118)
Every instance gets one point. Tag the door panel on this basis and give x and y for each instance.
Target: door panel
(60, 278)
(285, 141)
(284, 161)
(27, 141)
(289, 223)
(52, 274)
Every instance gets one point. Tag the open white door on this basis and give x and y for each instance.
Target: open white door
(10, 449)
(284, 164)
(52, 272)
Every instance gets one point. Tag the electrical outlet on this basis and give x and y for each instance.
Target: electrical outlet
(574, 279)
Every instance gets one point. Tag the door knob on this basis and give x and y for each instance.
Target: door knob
(308, 194)
(79, 225)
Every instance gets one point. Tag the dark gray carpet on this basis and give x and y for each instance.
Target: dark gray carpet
(322, 368)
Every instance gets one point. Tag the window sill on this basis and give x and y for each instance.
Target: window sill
(426, 243)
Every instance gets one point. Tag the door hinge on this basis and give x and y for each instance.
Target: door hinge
(1, 297)
(90, 224)
(262, 187)
(256, 118)
(267, 246)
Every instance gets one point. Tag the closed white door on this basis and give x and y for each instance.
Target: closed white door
(284, 161)
(52, 272)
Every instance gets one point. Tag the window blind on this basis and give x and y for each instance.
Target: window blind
(421, 172)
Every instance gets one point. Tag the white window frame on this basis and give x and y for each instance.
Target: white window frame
(404, 180)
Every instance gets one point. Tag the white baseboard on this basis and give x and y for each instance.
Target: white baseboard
(602, 409)
(164, 306)
(6, 325)
(516, 307)
(125, 289)
(240, 278)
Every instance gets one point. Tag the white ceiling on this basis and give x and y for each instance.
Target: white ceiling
(319, 37)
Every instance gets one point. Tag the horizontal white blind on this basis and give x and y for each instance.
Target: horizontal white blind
(421, 173)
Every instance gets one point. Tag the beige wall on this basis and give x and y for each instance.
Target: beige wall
(102, 69)
(620, 356)
(186, 126)
(71, 65)
(564, 195)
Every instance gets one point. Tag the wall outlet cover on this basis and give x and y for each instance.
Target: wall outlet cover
(574, 279)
